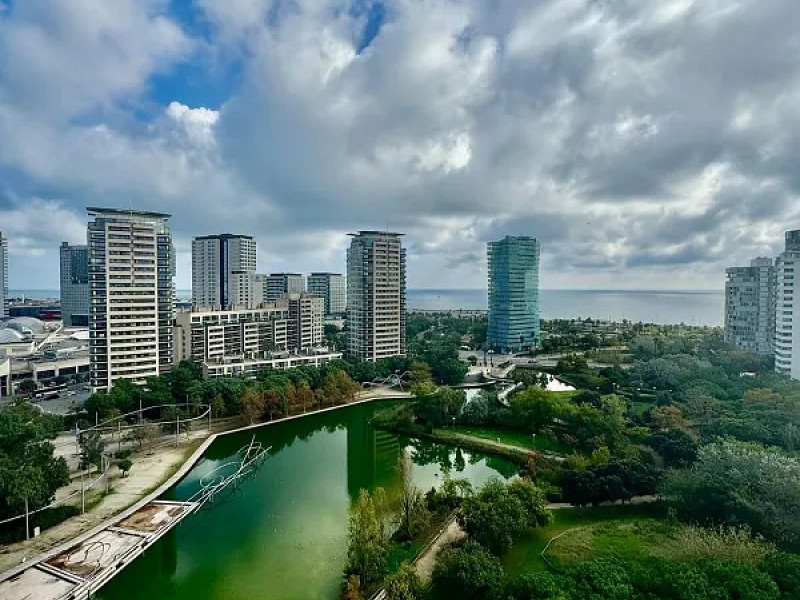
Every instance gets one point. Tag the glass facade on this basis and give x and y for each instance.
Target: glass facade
(513, 294)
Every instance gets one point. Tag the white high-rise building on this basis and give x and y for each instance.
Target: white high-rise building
(132, 295)
(376, 295)
(3, 276)
(277, 285)
(74, 285)
(750, 306)
(306, 321)
(332, 287)
(787, 309)
(224, 272)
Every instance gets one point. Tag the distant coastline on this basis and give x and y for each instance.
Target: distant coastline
(693, 307)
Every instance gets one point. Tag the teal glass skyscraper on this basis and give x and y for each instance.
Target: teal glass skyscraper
(513, 294)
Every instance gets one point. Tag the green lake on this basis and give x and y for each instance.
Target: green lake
(283, 534)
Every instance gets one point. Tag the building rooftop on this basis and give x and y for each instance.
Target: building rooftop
(215, 236)
(10, 336)
(96, 211)
(375, 232)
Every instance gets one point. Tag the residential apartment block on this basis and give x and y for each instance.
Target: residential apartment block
(333, 288)
(132, 295)
(376, 295)
(74, 285)
(277, 285)
(224, 272)
(750, 306)
(513, 294)
(280, 335)
(3, 276)
(787, 313)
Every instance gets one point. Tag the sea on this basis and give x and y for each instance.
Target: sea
(651, 306)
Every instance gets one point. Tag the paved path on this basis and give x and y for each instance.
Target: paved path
(499, 445)
(148, 472)
(427, 560)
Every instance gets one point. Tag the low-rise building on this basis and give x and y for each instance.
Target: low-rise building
(277, 360)
(5, 375)
(279, 335)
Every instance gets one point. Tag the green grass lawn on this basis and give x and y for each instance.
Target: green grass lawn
(525, 556)
(512, 437)
(629, 534)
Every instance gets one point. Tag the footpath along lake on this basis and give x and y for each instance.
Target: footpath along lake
(283, 534)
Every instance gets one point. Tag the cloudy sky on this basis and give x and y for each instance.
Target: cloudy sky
(645, 144)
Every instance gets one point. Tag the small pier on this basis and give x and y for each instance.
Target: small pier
(79, 571)
(84, 567)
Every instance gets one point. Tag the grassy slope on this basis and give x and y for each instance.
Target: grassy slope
(513, 438)
(525, 555)
(629, 534)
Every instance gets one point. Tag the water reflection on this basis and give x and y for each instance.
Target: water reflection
(283, 534)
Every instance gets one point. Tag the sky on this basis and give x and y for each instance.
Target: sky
(646, 145)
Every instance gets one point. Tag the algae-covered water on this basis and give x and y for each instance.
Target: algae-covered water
(283, 534)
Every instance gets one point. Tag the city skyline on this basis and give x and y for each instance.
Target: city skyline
(529, 118)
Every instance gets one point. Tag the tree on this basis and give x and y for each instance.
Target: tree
(217, 406)
(678, 448)
(404, 585)
(339, 388)
(616, 480)
(28, 469)
(414, 516)
(588, 397)
(476, 411)
(494, 517)
(669, 417)
(472, 360)
(536, 409)
(740, 484)
(27, 386)
(440, 407)
(253, 405)
(366, 549)
(92, 446)
(534, 502)
(124, 465)
(353, 589)
(420, 372)
(468, 573)
(173, 418)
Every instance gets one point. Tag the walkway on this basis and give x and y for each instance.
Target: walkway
(149, 471)
(427, 560)
(82, 569)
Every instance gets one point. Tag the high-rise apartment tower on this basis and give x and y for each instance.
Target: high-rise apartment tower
(3, 276)
(787, 309)
(376, 295)
(750, 306)
(74, 285)
(513, 294)
(277, 285)
(132, 295)
(223, 271)
(332, 287)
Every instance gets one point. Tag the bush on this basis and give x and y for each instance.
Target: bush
(467, 573)
(499, 513)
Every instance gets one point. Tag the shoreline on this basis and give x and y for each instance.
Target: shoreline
(184, 468)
